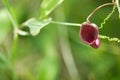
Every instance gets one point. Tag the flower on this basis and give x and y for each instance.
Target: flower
(89, 34)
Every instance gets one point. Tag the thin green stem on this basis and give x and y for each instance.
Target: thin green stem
(14, 46)
(13, 19)
(113, 0)
(109, 15)
(118, 6)
(65, 23)
(110, 39)
(11, 13)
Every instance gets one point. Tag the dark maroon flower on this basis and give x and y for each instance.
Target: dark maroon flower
(89, 34)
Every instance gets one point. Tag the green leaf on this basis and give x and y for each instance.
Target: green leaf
(35, 26)
(48, 6)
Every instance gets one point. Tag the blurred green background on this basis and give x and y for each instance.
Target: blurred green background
(57, 53)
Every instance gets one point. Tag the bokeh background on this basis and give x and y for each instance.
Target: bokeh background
(57, 53)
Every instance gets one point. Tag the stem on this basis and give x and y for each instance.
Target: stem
(118, 6)
(113, 1)
(11, 13)
(107, 18)
(64, 23)
(109, 38)
(15, 25)
(106, 4)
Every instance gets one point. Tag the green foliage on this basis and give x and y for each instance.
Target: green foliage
(48, 6)
(35, 26)
(41, 57)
